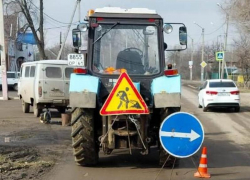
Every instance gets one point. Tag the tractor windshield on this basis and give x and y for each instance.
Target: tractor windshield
(130, 48)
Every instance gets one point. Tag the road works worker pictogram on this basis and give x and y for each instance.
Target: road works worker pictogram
(124, 99)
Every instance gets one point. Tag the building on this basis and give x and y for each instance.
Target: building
(19, 44)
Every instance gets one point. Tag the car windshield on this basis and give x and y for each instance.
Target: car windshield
(221, 84)
(130, 48)
(11, 75)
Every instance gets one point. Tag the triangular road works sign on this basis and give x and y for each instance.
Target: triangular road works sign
(124, 99)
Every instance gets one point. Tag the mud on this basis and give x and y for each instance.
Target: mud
(29, 149)
(24, 163)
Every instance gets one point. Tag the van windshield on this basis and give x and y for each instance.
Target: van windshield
(53, 72)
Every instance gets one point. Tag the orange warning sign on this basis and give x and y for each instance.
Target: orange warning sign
(124, 99)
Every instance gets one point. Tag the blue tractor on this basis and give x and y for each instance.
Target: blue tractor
(111, 41)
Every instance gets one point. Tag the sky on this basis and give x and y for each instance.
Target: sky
(206, 13)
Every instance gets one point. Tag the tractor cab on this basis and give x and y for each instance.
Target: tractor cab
(131, 40)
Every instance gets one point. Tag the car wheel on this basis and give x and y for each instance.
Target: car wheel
(15, 87)
(237, 109)
(204, 108)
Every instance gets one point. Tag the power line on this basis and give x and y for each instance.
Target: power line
(54, 27)
(48, 15)
(216, 29)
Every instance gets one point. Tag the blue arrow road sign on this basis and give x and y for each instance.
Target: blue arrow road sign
(181, 134)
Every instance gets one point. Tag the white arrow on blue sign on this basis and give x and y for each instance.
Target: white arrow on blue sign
(181, 134)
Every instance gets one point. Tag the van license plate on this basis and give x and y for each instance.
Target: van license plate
(56, 94)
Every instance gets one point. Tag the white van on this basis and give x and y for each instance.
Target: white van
(44, 84)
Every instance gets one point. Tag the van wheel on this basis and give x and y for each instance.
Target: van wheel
(37, 111)
(25, 107)
(15, 87)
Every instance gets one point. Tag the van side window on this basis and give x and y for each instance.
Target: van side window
(68, 71)
(27, 71)
(53, 72)
(32, 71)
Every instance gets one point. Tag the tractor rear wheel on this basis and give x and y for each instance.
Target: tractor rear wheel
(85, 147)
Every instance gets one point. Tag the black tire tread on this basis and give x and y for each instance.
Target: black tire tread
(84, 145)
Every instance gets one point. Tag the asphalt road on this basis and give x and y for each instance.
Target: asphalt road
(11, 93)
(226, 138)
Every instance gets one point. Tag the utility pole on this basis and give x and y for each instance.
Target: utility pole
(79, 11)
(60, 42)
(202, 54)
(225, 43)
(3, 55)
(192, 60)
(225, 49)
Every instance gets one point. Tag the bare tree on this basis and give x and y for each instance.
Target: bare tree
(239, 11)
(29, 10)
(243, 55)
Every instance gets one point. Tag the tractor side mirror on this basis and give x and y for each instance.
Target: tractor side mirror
(76, 38)
(183, 35)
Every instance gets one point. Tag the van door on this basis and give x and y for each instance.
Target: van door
(53, 82)
(67, 73)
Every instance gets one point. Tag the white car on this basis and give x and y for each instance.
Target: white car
(12, 79)
(219, 93)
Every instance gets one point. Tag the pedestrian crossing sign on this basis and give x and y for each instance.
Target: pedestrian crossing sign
(124, 99)
(220, 56)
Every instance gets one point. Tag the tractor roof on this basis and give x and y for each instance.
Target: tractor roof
(116, 12)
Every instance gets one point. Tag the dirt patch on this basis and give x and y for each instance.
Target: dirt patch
(24, 163)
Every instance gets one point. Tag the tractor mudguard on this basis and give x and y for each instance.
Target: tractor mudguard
(83, 90)
(166, 91)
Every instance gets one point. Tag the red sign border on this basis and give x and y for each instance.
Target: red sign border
(120, 112)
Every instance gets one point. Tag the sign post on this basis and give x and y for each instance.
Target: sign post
(181, 134)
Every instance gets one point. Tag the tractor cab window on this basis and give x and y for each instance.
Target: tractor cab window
(130, 48)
